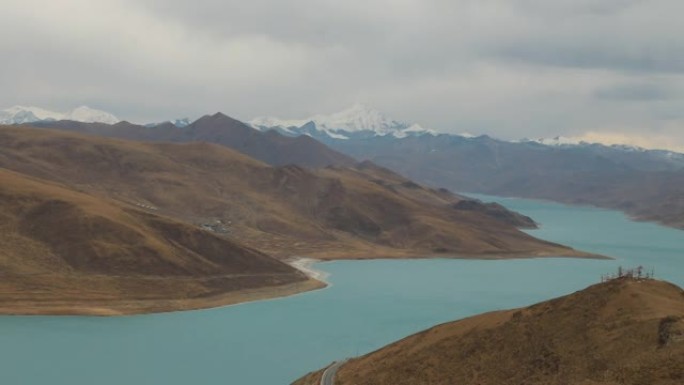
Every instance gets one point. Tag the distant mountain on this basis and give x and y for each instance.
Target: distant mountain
(556, 141)
(358, 121)
(563, 141)
(622, 332)
(21, 114)
(270, 147)
(647, 184)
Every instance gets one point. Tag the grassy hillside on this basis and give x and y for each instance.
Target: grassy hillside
(624, 331)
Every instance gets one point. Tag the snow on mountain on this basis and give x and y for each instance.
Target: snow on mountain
(356, 119)
(563, 141)
(91, 115)
(556, 141)
(467, 135)
(184, 122)
(570, 142)
(180, 123)
(268, 122)
(22, 114)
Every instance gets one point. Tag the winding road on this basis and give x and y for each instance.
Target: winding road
(328, 377)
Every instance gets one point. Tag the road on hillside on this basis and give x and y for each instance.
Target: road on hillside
(328, 377)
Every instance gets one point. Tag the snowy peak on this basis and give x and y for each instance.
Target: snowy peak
(22, 114)
(29, 113)
(358, 119)
(184, 122)
(91, 115)
(557, 141)
(564, 141)
(180, 123)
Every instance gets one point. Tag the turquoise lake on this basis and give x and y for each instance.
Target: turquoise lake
(369, 304)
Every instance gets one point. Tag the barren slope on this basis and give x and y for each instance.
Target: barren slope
(621, 332)
(68, 252)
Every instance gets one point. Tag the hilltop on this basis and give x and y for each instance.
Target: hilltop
(624, 331)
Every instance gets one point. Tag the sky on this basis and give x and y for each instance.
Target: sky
(605, 70)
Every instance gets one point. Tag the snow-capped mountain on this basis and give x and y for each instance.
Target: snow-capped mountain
(91, 115)
(22, 114)
(563, 141)
(627, 152)
(556, 141)
(184, 122)
(356, 121)
(180, 123)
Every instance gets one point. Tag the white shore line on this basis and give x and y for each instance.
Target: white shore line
(305, 265)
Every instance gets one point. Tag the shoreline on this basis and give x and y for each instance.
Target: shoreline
(316, 280)
(636, 217)
(133, 307)
(571, 253)
(305, 265)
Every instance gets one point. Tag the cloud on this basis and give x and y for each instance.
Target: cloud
(509, 68)
(640, 92)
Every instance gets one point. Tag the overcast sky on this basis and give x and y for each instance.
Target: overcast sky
(611, 70)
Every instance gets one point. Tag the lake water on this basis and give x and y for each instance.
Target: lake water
(369, 304)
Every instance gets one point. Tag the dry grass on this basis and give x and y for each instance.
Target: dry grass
(621, 332)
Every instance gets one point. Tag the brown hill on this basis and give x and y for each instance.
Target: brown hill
(351, 212)
(624, 331)
(270, 147)
(68, 252)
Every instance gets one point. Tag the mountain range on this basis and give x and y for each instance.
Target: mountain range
(625, 331)
(358, 121)
(273, 208)
(646, 184)
(560, 169)
(270, 147)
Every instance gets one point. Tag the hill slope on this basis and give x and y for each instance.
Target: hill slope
(358, 212)
(620, 332)
(68, 252)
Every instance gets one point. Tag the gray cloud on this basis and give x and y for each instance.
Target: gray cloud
(640, 92)
(510, 68)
